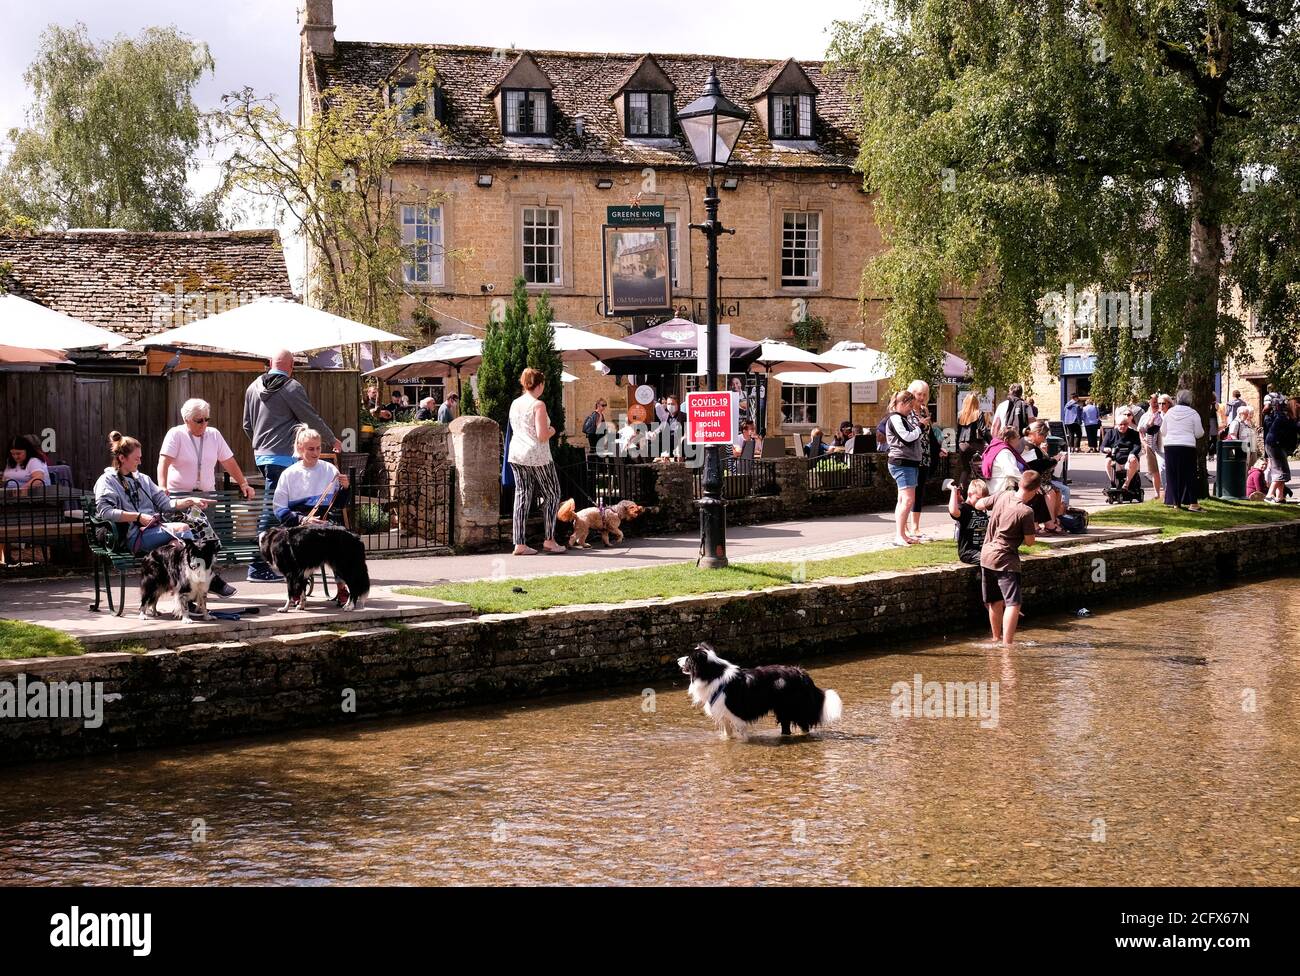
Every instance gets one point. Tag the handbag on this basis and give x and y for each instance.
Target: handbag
(507, 472)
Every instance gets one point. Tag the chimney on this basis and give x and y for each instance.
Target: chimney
(316, 18)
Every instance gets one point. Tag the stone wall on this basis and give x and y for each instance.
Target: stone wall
(415, 459)
(210, 691)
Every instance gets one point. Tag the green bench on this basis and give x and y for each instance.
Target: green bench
(233, 518)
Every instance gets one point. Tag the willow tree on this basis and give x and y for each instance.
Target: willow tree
(1137, 148)
(112, 131)
(332, 178)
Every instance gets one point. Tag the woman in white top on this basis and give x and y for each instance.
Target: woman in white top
(1242, 428)
(24, 469)
(309, 485)
(530, 461)
(191, 452)
(1180, 428)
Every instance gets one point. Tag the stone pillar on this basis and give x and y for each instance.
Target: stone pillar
(792, 480)
(476, 453)
(675, 489)
(416, 458)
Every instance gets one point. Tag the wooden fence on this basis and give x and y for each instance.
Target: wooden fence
(73, 413)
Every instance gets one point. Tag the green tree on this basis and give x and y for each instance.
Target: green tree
(521, 339)
(505, 356)
(542, 355)
(111, 134)
(1017, 149)
(332, 177)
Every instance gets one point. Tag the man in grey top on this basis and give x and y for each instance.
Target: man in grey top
(447, 412)
(274, 405)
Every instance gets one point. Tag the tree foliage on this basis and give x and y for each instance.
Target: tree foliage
(1019, 148)
(333, 178)
(521, 339)
(111, 134)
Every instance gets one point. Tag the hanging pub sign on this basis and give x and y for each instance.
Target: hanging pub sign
(637, 276)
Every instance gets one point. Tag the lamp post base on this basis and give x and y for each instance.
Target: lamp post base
(713, 533)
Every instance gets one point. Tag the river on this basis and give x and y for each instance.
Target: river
(1150, 744)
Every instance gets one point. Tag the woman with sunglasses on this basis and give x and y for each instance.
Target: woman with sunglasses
(191, 452)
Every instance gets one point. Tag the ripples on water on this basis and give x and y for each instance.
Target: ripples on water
(1124, 753)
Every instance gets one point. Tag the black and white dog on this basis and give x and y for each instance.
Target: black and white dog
(736, 698)
(298, 551)
(183, 568)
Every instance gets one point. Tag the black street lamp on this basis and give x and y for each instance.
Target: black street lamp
(712, 124)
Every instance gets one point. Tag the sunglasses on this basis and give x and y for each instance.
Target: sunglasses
(200, 420)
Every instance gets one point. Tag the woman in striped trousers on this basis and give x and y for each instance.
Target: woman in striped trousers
(530, 460)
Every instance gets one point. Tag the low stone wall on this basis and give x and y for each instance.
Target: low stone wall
(209, 691)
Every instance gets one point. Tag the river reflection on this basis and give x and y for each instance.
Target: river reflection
(1145, 745)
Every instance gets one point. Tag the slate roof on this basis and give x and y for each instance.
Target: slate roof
(123, 280)
(584, 83)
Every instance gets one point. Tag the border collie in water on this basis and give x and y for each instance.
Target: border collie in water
(183, 568)
(296, 552)
(735, 698)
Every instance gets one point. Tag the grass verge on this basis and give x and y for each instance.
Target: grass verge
(23, 640)
(1218, 514)
(679, 579)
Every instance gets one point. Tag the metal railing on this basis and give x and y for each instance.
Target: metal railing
(42, 526)
(412, 515)
(833, 471)
(742, 478)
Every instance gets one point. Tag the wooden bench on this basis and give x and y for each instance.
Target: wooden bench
(233, 518)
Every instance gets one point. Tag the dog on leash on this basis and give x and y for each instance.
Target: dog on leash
(736, 698)
(603, 520)
(299, 551)
(182, 567)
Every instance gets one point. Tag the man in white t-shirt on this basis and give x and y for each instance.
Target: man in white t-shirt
(191, 452)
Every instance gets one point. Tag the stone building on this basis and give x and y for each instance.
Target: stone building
(534, 146)
(137, 284)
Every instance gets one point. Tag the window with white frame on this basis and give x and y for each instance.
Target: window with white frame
(791, 117)
(541, 226)
(673, 259)
(799, 405)
(648, 113)
(527, 112)
(800, 250)
(422, 245)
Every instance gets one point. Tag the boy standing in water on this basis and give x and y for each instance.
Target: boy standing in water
(1011, 525)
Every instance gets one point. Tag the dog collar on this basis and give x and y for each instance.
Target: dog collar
(718, 694)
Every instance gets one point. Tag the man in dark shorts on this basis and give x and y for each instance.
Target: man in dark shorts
(1011, 525)
(972, 518)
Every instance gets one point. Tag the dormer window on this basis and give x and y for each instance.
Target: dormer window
(527, 112)
(648, 114)
(790, 117)
(399, 93)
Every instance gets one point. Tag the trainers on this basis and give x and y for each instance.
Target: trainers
(267, 575)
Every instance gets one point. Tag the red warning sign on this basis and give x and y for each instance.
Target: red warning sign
(710, 417)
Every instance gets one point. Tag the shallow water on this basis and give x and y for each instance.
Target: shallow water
(1156, 745)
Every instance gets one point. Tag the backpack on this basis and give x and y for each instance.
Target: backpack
(1017, 415)
(1074, 521)
(589, 425)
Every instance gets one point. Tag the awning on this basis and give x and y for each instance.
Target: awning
(1078, 365)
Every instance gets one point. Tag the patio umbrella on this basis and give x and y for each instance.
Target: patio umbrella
(268, 324)
(954, 367)
(581, 346)
(784, 357)
(567, 377)
(449, 354)
(859, 356)
(27, 325)
(18, 355)
(671, 348)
